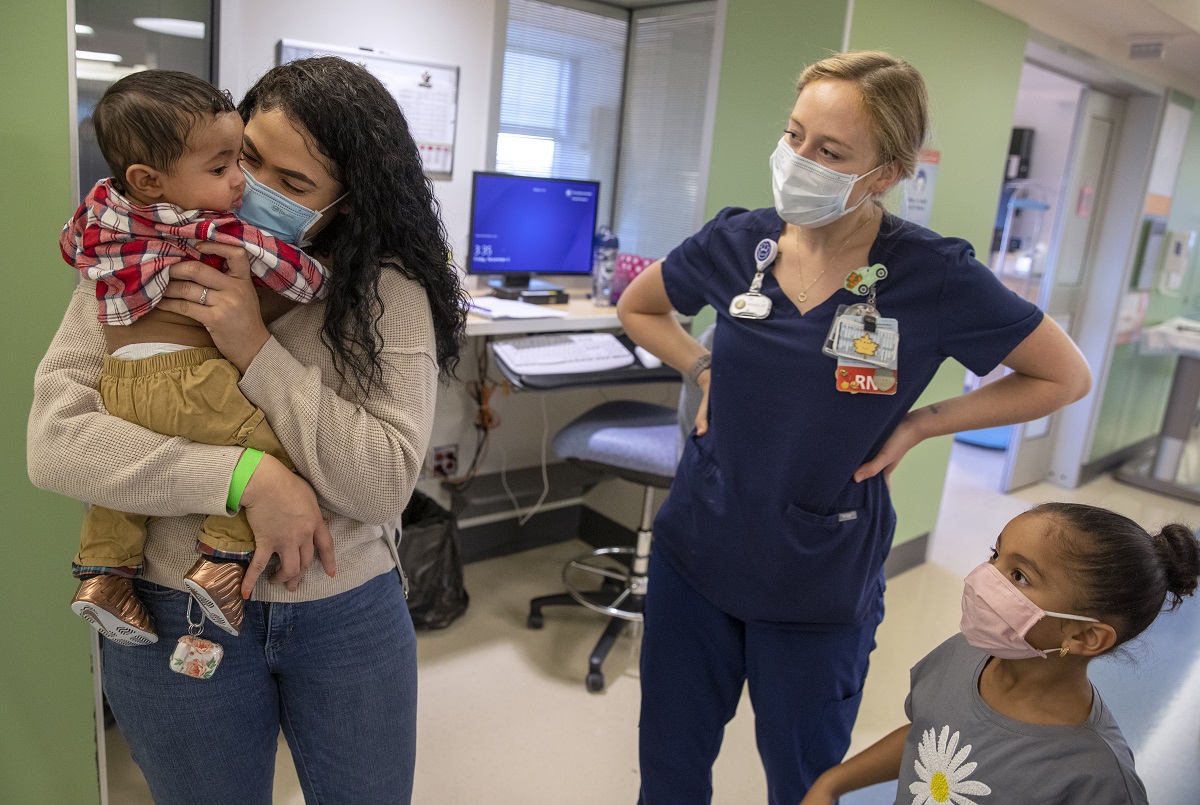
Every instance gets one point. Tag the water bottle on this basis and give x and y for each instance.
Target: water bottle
(604, 265)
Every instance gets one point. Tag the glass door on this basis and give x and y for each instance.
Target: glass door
(116, 38)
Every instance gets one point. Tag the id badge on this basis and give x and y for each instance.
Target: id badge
(859, 378)
(866, 346)
(750, 306)
(856, 312)
(868, 339)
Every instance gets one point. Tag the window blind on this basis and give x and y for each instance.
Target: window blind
(560, 96)
(658, 186)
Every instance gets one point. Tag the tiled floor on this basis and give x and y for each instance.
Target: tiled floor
(504, 717)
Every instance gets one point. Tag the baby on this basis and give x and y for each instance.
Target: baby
(172, 142)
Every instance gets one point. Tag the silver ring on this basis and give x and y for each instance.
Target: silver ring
(203, 297)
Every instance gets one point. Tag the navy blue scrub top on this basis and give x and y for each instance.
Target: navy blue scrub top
(764, 518)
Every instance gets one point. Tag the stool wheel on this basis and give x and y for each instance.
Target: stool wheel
(535, 621)
(595, 682)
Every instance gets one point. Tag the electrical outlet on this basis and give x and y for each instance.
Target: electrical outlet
(445, 461)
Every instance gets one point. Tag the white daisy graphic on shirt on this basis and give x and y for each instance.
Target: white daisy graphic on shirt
(943, 772)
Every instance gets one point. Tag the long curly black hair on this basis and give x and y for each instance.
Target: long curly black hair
(393, 220)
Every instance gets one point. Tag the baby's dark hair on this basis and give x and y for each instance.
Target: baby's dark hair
(1125, 575)
(146, 118)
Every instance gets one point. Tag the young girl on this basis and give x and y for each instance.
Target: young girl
(1004, 712)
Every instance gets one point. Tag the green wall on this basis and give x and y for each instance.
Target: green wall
(47, 733)
(767, 44)
(1135, 398)
(970, 56)
(1185, 208)
(1135, 395)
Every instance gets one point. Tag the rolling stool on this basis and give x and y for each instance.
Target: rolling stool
(638, 442)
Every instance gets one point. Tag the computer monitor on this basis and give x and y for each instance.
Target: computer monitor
(526, 225)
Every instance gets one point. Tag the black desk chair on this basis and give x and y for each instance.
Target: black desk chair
(639, 442)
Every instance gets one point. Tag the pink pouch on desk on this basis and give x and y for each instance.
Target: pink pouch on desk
(628, 267)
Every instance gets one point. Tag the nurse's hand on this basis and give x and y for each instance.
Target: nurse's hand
(903, 439)
(702, 412)
(225, 303)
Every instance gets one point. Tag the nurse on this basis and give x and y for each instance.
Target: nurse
(832, 317)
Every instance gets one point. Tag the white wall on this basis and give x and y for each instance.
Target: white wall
(454, 32)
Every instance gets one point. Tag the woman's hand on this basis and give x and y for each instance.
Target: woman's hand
(904, 438)
(283, 512)
(229, 310)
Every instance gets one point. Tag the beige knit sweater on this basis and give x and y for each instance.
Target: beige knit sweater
(361, 458)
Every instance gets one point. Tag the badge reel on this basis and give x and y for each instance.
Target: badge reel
(865, 345)
(752, 304)
(195, 656)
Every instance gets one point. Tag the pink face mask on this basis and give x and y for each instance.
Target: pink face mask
(996, 616)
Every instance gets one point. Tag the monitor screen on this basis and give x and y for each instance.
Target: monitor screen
(530, 225)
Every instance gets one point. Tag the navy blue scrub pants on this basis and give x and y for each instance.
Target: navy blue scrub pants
(805, 687)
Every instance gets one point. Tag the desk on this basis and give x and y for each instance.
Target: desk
(633, 373)
(581, 315)
(1159, 472)
(487, 520)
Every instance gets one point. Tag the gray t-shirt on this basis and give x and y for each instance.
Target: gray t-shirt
(960, 750)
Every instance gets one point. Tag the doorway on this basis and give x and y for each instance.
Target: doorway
(1049, 155)
(1065, 221)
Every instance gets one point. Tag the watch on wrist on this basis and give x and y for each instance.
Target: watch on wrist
(702, 363)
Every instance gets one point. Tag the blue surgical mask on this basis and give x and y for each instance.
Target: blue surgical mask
(277, 214)
(808, 194)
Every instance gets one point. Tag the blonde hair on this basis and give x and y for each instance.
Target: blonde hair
(893, 97)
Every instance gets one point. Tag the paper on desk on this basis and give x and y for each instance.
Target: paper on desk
(493, 307)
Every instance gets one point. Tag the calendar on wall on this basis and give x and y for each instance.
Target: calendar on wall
(427, 94)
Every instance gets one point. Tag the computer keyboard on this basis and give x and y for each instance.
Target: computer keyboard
(563, 353)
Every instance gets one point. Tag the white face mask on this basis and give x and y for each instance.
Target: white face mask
(807, 194)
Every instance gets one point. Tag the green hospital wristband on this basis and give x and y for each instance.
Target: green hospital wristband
(245, 468)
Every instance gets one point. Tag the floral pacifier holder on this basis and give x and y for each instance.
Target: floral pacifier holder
(195, 656)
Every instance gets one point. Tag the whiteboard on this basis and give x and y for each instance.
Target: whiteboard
(427, 94)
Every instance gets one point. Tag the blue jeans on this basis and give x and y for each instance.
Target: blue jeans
(339, 675)
(805, 687)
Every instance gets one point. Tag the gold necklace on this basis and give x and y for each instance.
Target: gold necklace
(803, 295)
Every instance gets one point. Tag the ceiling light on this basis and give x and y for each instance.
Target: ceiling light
(103, 71)
(84, 30)
(90, 55)
(189, 29)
